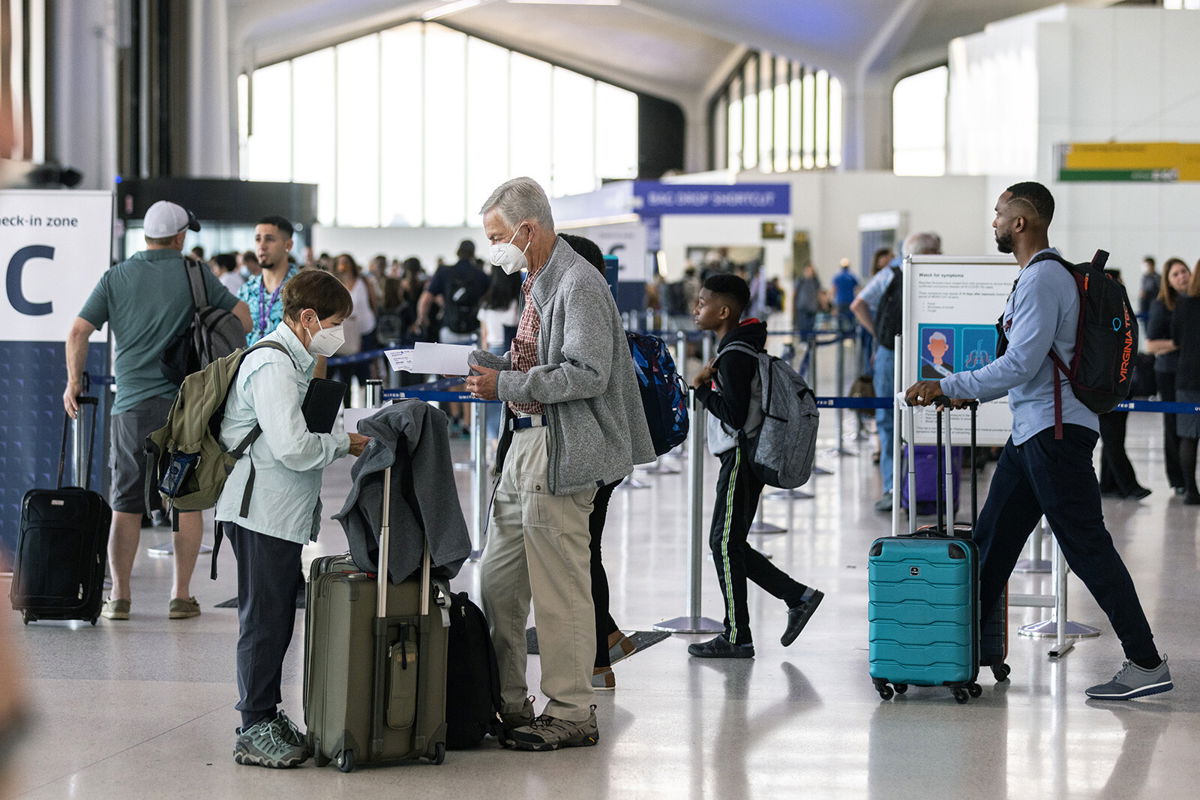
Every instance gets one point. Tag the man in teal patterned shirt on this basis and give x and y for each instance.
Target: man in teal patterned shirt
(272, 242)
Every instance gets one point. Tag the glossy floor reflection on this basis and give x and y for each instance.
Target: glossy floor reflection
(144, 709)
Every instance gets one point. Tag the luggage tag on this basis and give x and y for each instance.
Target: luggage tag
(181, 468)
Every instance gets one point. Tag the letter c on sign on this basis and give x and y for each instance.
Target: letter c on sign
(13, 280)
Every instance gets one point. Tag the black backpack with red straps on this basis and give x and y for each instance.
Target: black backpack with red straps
(1106, 340)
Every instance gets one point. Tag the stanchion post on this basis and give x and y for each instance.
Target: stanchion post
(694, 622)
(374, 392)
(479, 481)
(681, 354)
(840, 388)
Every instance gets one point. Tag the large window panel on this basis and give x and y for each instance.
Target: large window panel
(402, 70)
(574, 133)
(835, 122)
(616, 132)
(531, 118)
(919, 123)
(809, 123)
(750, 115)
(797, 115)
(783, 115)
(487, 123)
(314, 90)
(358, 163)
(822, 119)
(417, 124)
(735, 124)
(445, 125)
(270, 145)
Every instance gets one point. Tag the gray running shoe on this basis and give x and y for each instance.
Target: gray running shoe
(551, 733)
(261, 745)
(1132, 682)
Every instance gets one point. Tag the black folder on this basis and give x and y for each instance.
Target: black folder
(322, 403)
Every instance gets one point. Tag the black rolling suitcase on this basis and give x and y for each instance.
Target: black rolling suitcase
(58, 572)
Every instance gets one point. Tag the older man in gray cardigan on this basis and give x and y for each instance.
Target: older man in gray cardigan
(573, 422)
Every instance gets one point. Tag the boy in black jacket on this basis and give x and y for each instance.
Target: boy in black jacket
(728, 388)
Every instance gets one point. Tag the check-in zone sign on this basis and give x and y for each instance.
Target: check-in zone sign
(54, 246)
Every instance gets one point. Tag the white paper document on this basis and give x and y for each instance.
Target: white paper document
(432, 358)
(351, 417)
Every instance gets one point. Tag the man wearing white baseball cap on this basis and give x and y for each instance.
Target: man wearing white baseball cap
(147, 302)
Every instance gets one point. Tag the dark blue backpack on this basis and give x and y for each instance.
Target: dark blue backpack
(664, 395)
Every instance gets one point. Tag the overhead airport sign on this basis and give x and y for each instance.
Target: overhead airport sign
(1125, 162)
(654, 199)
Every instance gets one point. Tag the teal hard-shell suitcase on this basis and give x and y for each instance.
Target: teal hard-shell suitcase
(924, 614)
(923, 606)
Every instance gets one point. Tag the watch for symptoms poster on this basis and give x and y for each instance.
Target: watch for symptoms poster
(951, 304)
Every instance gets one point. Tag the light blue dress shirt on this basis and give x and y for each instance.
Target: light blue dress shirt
(1042, 311)
(288, 458)
(872, 293)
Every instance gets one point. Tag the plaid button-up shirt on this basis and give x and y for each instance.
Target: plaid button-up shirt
(524, 345)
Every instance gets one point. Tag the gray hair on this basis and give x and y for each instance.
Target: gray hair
(520, 199)
(926, 243)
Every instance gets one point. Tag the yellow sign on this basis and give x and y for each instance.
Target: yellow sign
(1129, 161)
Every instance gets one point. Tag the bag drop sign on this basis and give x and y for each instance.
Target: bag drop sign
(54, 246)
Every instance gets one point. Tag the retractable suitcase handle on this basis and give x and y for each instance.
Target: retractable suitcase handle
(83, 471)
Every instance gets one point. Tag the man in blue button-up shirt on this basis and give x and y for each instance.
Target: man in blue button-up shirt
(1039, 474)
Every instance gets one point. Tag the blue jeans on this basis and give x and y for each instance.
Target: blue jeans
(1055, 478)
(885, 368)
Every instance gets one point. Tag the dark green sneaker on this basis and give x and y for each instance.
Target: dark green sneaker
(262, 745)
(287, 730)
(551, 733)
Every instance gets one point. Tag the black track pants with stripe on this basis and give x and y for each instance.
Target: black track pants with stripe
(738, 490)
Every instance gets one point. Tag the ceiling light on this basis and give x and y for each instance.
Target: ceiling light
(568, 2)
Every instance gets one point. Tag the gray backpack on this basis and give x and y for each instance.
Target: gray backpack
(782, 429)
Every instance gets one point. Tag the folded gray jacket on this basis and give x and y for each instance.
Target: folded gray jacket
(424, 495)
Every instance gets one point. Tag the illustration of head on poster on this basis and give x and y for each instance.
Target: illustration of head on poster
(937, 351)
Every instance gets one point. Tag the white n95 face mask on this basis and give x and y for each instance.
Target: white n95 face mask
(508, 257)
(327, 341)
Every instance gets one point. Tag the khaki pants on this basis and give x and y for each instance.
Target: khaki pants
(538, 547)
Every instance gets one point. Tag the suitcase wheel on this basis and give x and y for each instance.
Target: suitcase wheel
(1001, 672)
(28, 617)
(974, 690)
(960, 696)
(439, 753)
(901, 688)
(345, 761)
(93, 620)
(885, 691)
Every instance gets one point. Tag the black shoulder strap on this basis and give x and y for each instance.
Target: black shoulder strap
(196, 282)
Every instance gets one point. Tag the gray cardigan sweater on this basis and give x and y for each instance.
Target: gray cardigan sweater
(409, 436)
(584, 377)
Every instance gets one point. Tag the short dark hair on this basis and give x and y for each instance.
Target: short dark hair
(733, 290)
(285, 227)
(316, 289)
(585, 247)
(466, 249)
(1037, 196)
(249, 255)
(226, 261)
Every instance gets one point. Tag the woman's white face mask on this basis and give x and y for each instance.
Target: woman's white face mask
(508, 257)
(327, 341)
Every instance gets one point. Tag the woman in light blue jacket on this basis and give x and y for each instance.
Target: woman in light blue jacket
(284, 508)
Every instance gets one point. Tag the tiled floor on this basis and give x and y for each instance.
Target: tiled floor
(144, 708)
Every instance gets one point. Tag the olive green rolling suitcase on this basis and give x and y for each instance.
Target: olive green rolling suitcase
(374, 672)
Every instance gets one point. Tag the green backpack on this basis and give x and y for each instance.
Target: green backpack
(185, 461)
